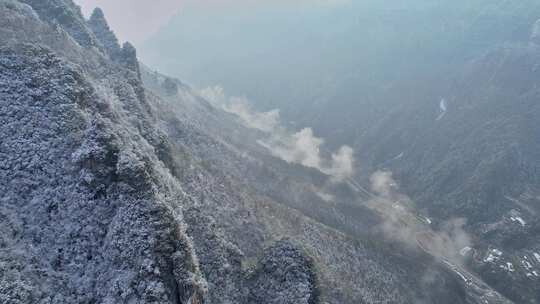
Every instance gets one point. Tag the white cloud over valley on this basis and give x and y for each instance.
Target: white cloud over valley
(301, 147)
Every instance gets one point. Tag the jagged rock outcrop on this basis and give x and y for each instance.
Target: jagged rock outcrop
(128, 57)
(286, 276)
(125, 55)
(220, 260)
(170, 86)
(103, 33)
(67, 16)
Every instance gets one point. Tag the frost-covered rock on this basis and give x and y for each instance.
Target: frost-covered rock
(79, 224)
(67, 15)
(104, 34)
(125, 55)
(128, 57)
(286, 276)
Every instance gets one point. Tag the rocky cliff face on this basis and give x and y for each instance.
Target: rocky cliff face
(90, 210)
(88, 213)
(99, 26)
(64, 15)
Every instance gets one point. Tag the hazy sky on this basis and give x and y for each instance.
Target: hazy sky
(137, 20)
(134, 20)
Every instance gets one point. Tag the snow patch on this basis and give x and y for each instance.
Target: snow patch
(465, 251)
(398, 207)
(490, 258)
(537, 257)
(508, 267)
(526, 264)
(325, 196)
(493, 255)
(443, 108)
(519, 220)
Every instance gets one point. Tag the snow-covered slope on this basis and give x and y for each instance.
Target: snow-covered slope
(90, 214)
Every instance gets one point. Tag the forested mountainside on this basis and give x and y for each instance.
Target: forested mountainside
(90, 213)
(443, 94)
(122, 185)
(256, 198)
(473, 153)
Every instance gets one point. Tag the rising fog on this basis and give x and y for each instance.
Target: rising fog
(315, 76)
(298, 147)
